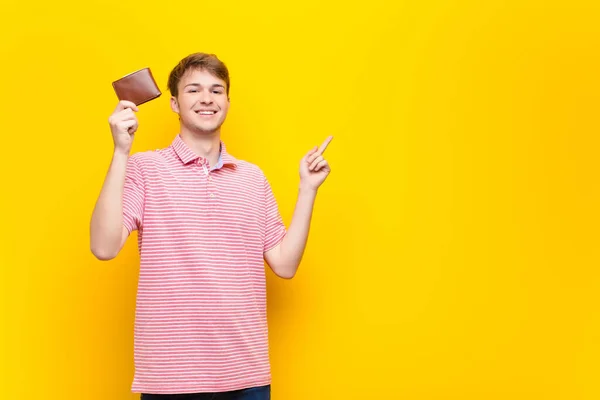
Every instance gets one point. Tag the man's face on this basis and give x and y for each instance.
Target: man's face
(202, 102)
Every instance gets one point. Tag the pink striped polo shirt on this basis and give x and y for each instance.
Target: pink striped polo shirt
(200, 322)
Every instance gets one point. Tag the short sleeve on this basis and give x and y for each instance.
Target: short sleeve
(133, 196)
(274, 228)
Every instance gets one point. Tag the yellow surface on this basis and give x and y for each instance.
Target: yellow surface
(454, 251)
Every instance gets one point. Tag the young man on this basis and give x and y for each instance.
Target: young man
(206, 224)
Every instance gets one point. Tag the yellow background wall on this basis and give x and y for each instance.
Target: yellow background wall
(454, 251)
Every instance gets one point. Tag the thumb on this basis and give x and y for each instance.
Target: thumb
(311, 152)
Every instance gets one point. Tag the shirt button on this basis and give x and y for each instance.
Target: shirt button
(212, 195)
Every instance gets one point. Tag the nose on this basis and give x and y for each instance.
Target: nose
(205, 97)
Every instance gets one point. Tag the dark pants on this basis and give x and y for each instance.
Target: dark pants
(257, 393)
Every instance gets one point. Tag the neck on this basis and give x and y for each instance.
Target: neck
(207, 145)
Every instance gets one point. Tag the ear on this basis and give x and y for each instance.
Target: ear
(174, 105)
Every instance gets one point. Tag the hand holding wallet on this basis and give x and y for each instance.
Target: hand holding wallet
(138, 87)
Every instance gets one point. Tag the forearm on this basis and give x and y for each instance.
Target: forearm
(294, 243)
(106, 228)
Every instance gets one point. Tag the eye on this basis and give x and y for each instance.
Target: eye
(217, 92)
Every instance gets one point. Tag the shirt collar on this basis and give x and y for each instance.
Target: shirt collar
(186, 155)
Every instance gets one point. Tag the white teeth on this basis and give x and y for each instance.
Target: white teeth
(206, 112)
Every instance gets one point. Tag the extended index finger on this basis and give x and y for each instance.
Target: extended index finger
(325, 144)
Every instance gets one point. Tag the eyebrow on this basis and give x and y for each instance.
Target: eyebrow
(212, 86)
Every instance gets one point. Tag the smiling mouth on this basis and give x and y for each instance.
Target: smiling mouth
(206, 112)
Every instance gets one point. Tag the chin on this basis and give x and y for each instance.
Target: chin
(202, 128)
(207, 129)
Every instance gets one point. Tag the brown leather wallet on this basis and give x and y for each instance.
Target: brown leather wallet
(138, 87)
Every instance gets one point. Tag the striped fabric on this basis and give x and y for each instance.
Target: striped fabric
(200, 321)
